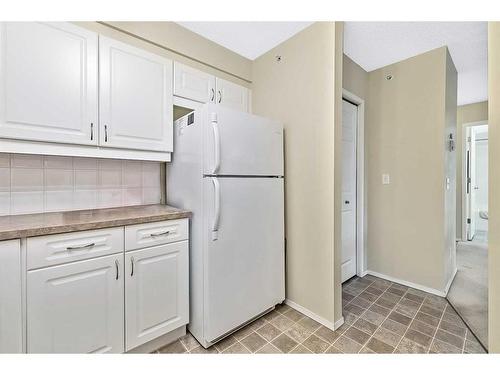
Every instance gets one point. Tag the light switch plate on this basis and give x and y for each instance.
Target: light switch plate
(386, 179)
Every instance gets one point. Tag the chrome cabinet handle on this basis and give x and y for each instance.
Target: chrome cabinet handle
(91, 131)
(105, 133)
(81, 247)
(220, 96)
(117, 265)
(213, 94)
(167, 232)
(132, 264)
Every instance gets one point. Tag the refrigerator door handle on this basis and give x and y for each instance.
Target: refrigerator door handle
(215, 226)
(215, 128)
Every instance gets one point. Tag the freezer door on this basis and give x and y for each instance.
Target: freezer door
(241, 144)
(244, 252)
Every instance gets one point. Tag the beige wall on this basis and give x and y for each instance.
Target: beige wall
(175, 42)
(339, 55)
(355, 78)
(465, 114)
(494, 186)
(450, 170)
(405, 137)
(300, 91)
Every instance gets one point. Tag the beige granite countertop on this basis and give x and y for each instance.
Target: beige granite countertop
(30, 225)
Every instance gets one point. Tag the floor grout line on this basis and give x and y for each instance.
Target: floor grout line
(437, 328)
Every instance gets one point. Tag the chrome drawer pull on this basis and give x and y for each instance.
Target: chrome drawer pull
(81, 247)
(167, 232)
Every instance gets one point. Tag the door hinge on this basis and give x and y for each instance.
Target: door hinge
(468, 220)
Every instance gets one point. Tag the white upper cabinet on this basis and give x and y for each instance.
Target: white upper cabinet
(193, 84)
(232, 95)
(202, 87)
(48, 82)
(135, 97)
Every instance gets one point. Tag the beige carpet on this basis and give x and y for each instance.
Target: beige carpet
(469, 291)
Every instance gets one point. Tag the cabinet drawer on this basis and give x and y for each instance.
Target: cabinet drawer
(158, 233)
(69, 247)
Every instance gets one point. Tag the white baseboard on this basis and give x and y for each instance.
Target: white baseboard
(447, 289)
(310, 314)
(439, 293)
(338, 323)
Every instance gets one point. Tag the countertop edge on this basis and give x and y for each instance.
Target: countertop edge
(68, 228)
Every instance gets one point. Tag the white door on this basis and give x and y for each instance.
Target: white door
(471, 184)
(349, 129)
(11, 332)
(48, 82)
(244, 253)
(77, 307)
(136, 108)
(238, 143)
(232, 95)
(156, 291)
(193, 84)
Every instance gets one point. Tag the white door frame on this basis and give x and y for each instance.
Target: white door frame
(464, 172)
(360, 183)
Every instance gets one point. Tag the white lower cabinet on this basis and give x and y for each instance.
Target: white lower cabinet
(102, 298)
(76, 307)
(156, 292)
(10, 297)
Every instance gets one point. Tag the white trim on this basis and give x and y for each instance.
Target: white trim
(464, 173)
(448, 285)
(361, 215)
(408, 283)
(338, 323)
(14, 146)
(313, 316)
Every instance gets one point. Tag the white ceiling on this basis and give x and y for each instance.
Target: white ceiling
(373, 45)
(249, 39)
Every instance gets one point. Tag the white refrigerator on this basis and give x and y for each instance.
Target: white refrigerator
(227, 168)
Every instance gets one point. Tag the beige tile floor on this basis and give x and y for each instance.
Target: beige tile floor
(380, 317)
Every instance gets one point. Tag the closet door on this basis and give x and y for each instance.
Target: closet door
(232, 95)
(135, 98)
(48, 82)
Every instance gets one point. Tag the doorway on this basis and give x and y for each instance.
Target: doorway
(468, 293)
(475, 218)
(352, 262)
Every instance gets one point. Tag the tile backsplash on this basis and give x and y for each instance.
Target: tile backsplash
(35, 183)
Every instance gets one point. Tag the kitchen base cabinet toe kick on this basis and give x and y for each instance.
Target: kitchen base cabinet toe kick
(94, 292)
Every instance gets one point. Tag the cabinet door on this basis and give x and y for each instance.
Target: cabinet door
(48, 82)
(157, 295)
(193, 84)
(77, 307)
(232, 95)
(136, 104)
(10, 298)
